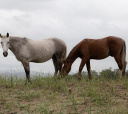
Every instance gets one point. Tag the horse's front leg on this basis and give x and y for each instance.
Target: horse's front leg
(81, 67)
(88, 68)
(27, 71)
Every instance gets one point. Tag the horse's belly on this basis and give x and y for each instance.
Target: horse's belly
(41, 58)
(99, 57)
(100, 54)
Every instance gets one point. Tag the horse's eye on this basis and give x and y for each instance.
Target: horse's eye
(1, 42)
(8, 42)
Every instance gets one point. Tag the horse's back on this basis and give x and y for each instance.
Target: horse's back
(43, 50)
(94, 48)
(101, 48)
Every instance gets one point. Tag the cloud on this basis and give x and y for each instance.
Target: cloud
(24, 5)
(70, 20)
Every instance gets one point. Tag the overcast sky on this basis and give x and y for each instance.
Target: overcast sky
(70, 20)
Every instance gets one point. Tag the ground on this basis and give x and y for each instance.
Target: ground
(64, 96)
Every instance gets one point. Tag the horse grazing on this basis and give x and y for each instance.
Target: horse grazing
(27, 50)
(96, 49)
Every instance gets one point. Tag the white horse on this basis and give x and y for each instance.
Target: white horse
(27, 50)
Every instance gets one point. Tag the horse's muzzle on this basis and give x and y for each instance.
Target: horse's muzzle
(62, 73)
(5, 54)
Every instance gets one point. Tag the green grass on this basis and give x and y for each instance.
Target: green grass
(64, 96)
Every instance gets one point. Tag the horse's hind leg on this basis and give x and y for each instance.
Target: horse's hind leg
(27, 70)
(59, 64)
(118, 60)
(55, 65)
(59, 61)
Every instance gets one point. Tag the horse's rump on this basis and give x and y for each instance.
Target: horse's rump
(61, 48)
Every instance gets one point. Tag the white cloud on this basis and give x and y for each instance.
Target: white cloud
(70, 20)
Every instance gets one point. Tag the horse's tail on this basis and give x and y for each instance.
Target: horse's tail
(123, 57)
(64, 53)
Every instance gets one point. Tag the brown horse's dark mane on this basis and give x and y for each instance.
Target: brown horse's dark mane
(74, 53)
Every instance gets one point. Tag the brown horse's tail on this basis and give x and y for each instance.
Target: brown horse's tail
(123, 57)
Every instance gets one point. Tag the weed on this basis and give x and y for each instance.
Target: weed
(48, 95)
(74, 103)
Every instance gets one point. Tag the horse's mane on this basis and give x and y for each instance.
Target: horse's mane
(16, 37)
(19, 40)
(74, 49)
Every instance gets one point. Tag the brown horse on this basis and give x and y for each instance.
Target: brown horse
(96, 49)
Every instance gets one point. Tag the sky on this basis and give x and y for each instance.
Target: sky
(69, 20)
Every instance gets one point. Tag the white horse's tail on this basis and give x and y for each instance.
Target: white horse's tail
(65, 53)
(123, 57)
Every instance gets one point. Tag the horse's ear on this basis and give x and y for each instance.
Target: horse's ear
(7, 34)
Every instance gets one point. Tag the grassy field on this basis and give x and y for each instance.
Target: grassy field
(68, 95)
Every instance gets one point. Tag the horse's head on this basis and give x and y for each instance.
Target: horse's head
(5, 44)
(66, 67)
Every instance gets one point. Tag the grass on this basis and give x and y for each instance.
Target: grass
(64, 96)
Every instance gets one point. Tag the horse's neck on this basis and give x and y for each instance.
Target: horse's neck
(13, 46)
